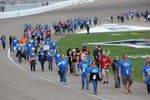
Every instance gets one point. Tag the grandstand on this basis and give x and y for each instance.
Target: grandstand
(16, 5)
(27, 1)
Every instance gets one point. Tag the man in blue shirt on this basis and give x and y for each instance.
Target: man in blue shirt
(36, 44)
(41, 58)
(49, 55)
(14, 43)
(84, 70)
(54, 46)
(63, 66)
(126, 73)
(19, 49)
(146, 74)
(3, 39)
(29, 46)
(57, 56)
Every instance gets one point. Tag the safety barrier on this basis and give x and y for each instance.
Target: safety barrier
(43, 9)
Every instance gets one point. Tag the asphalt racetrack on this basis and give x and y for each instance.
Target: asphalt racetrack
(18, 83)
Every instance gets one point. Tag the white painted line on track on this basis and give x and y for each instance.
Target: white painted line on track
(51, 81)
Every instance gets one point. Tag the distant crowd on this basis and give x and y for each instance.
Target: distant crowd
(123, 16)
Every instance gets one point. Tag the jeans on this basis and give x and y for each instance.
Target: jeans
(84, 79)
(148, 88)
(63, 76)
(50, 65)
(42, 65)
(94, 85)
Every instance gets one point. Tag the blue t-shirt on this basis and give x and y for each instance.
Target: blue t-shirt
(37, 34)
(57, 57)
(146, 71)
(54, 45)
(19, 48)
(41, 55)
(47, 42)
(89, 59)
(94, 69)
(29, 47)
(32, 55)
(84, 66)
(126, 67)
(36, 44)
(14, 42)
(63, 64)
(49, 55)
(3, 39)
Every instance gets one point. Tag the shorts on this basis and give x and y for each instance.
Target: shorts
(105, 71)
(127, 79)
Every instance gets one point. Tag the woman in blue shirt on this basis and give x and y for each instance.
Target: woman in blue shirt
(95, 75)
(32, 59)
(84, 70)
(146, 74)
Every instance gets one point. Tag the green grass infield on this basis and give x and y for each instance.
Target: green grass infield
(77, 41)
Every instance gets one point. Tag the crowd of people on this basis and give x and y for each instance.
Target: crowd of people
(123, 16)
(37, 45)
(72, 25)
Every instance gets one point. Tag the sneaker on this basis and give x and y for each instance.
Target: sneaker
(88, 89)
(116, 86)
(95, 93)
(82, 88)
(65, 83)
(119, 86)
(62, 82)
(104, 82)
(129, 91)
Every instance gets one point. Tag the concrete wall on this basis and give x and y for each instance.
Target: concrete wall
(42, 9)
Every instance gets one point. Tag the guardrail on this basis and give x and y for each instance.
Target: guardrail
(38, 10)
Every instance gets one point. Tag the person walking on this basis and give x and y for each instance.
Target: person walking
(63, 66)
(87, 26)
(105, 62)
(115, 68)
(14, 43)
(95, 75)
(10, 42)
(57, 56)
(19, 49)
(50, 55)
(3, 40)
(126, 73)
(32, 59)
(41, 58)
(69, 55)
(74, 60)
(146, 74)
(84, 70)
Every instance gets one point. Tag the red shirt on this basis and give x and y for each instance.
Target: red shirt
(105, 62)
